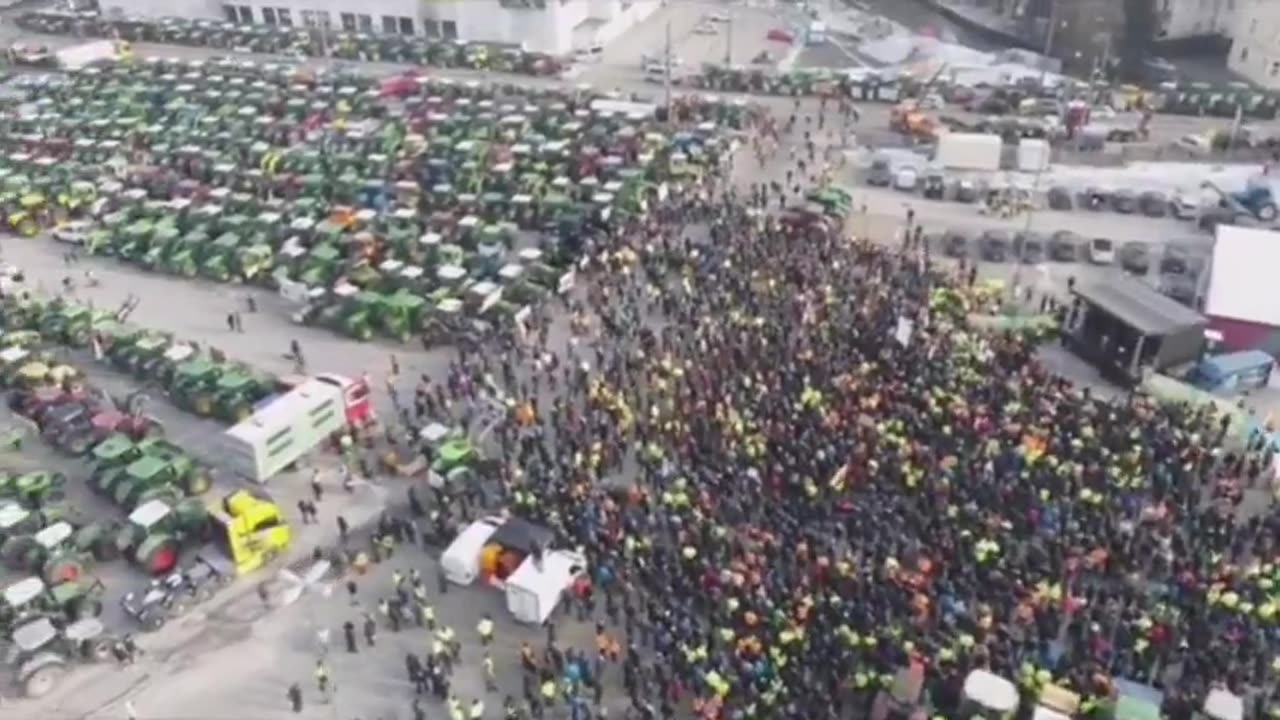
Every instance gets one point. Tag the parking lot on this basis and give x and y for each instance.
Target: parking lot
(701, 32)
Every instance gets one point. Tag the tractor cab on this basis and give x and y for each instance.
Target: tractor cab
(14, 520)
(236, 393)
(250, 530)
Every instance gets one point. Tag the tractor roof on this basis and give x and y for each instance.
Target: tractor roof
(54, 535)
(11, 514)
(146, 467)
(152, 342)
(149, 513)
(11, 355)
(406, 301)
(34, 635)
(179, 353)
(34, 369)
(196, 368)
(23, 592)
(234, 380)
(84, 629)
(113, 447)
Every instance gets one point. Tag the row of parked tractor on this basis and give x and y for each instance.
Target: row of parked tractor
(285, 40)
(396, 207)
(51, 542)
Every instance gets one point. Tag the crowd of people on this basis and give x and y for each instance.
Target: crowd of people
(795, 470)
(790, 502)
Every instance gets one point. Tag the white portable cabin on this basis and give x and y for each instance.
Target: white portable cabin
(535, 588)
(461, 560)
(1222, 704)
(275, 436)
(991, 692)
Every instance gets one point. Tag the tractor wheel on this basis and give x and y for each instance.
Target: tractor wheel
(105, 549)
(203, 406)
(79, 444)
(62, 568)
(153, 618)
(15, 550)
(158, 555)
(240, 413)
(97, 649)
(198, 483)
(85, 608)
(43, 680)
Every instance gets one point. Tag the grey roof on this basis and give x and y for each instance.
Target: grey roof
(1139, 306)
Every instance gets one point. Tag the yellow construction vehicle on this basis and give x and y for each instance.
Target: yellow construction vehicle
(251, 530)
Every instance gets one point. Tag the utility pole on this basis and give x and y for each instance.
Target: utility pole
(666, 58)
(1048, 38)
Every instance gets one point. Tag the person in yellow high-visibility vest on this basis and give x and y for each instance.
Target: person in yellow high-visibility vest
(485, 629)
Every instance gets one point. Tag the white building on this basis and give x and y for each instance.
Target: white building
(1191, 18)
(1255, 50)
(554, 26)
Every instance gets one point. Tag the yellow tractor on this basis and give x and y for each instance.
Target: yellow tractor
(254, 529)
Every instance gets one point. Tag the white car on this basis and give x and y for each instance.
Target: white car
(716, 17)
(1185, 205)
(906, 179)
(1102, 251)
(705, 28)
(72, 233)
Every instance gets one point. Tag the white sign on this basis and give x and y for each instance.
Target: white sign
(902, 333)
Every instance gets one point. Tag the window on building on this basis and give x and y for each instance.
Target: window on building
(308, 19)
(1253, 26)
(269, 15)
(285, 17)
(246, 14)
(365, 22)
(389, 24)
(230, 13)
(450, 30)
(1244, 54)
(1275, 69)
(348, 21)
(431, 28)
(323, 19)
(406, 26)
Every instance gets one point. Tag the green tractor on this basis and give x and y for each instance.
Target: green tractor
(163, 244)
(351, 312)
(219, 258)
(168, 476)
(31, 598)
(111, 457)
(457, 461)
(34, 489)
(60, 552)
(71, 325)
(17, 520)
(193, 385)
(182, 258)
(162, 367)
(401, 314)
(143, 353)
(157, 531)
(255, 262)
(236, 393)
(134, 241)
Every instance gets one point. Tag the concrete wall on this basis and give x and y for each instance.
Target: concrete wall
(547, 29)
(1255, 48)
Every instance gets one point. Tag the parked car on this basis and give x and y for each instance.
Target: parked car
(72, 233)
(779, 35)
(994, 245)
(1064, 246)
(955, 244)
(1180, 289)
(1029, 247)
(880, 174)
(1124, 201)
(1102, 251)
(1135, 257)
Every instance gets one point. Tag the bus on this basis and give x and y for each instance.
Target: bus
(284, 430)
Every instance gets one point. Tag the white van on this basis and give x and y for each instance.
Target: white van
(535, 588)
(461, 560)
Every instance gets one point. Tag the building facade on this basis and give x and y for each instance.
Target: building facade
(1255, 48)
(1181, 19)
(553, 26)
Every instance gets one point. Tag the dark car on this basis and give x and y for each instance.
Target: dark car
(1124, 201)
(994, 245)
(1180, 289)
(955, 244)
(1064, 246)
(1175, 261)
(1029, 247)
(880, 174)
(1154, 203)
(1135, 257)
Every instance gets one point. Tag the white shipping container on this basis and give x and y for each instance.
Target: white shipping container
(1033, 155)
(969, 151)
